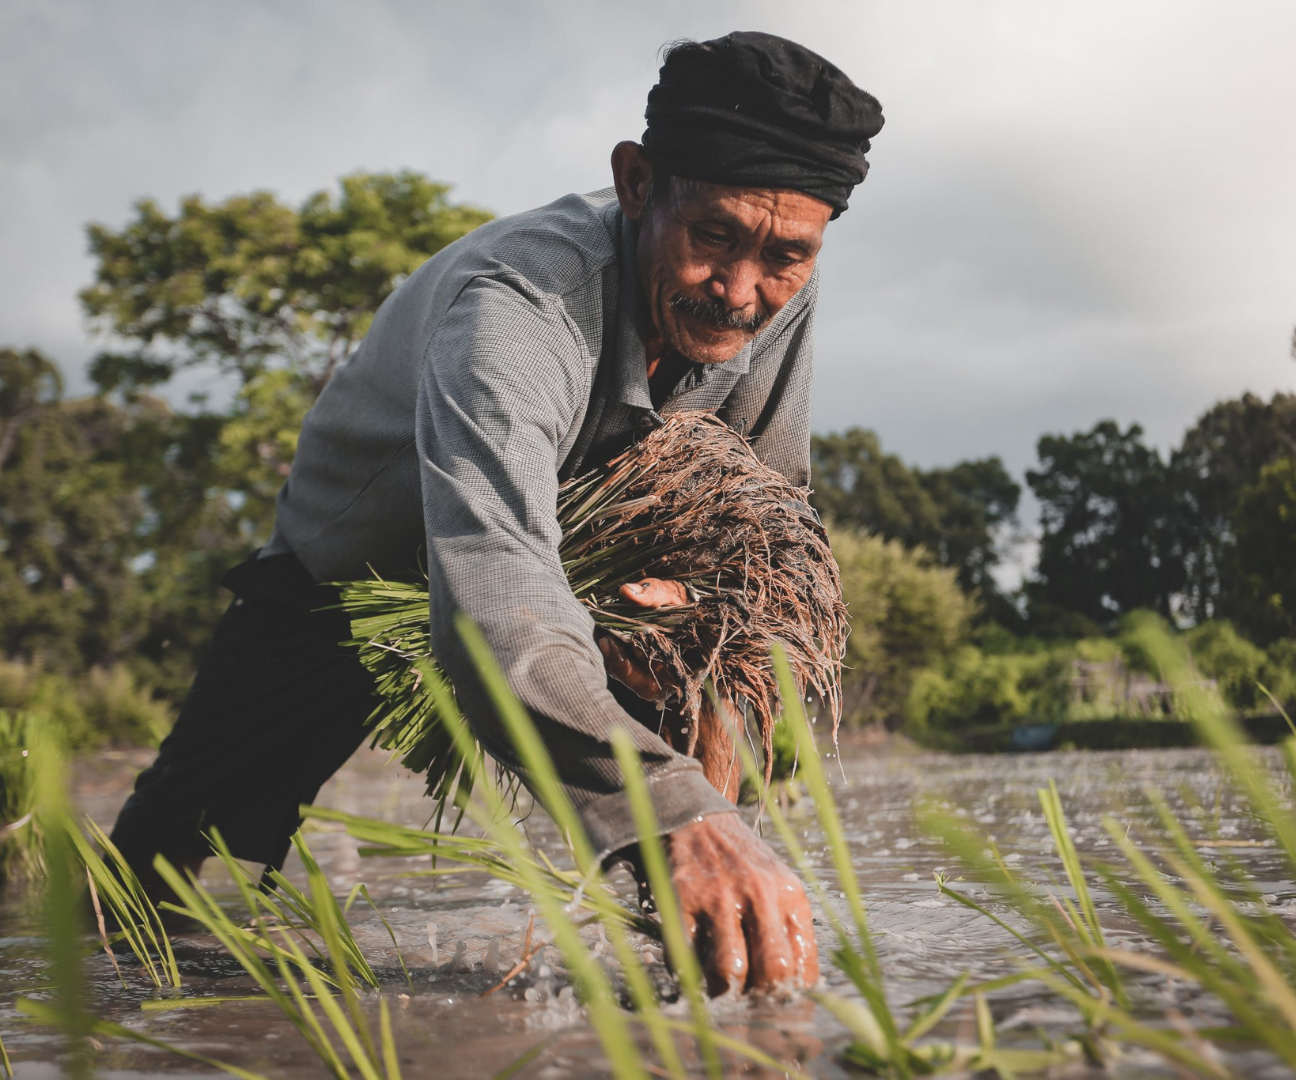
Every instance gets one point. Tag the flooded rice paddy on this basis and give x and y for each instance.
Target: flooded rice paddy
(460, 935)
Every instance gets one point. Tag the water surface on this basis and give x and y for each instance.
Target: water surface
(446, 1029)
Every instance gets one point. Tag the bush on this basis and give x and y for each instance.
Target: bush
(1236, 665)
(905, 614)
(106, 706)
(1279, 672)
(972, 687)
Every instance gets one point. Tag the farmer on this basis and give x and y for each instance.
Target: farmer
(537, 347)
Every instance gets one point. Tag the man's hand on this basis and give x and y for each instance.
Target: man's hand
(744, 910)
(647, 681)
(656, 593)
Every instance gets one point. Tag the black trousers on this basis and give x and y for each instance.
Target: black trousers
(277, 706)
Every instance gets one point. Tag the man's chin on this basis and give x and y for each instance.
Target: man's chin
(711, 346)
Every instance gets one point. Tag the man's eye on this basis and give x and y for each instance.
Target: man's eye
(710, 236)
(783, 258)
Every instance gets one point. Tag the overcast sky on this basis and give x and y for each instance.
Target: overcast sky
(1075, 211)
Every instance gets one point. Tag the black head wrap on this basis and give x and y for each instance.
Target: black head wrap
(755, 110)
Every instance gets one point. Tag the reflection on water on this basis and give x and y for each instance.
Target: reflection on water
(460, 935)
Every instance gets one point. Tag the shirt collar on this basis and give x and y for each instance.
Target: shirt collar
(630, 382)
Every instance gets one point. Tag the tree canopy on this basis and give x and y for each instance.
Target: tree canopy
(249, 283)
(957, 514)
(1107, 529)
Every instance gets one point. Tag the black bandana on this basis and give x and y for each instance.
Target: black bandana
(755, 110)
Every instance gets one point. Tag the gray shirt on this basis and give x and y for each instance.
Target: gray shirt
(508, 362)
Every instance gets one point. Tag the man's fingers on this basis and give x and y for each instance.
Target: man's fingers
(630, 671)
(655, 593)
(799, 927)
(772, 961)
(722, 949)
(615, 660)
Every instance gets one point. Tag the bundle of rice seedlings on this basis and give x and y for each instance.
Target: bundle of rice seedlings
(692, 503)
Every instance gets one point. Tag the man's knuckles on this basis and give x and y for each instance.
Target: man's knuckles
(656, 593)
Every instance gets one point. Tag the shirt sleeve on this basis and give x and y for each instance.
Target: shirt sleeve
(504, 380)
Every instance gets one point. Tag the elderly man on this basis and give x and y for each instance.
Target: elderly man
(523, 354)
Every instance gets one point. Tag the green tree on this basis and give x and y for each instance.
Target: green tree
(250, 284)
(119, 515)
(955, 514)
(905, 613)
(1263, 559)
(1107, 528)
(272, 297)
(69, 518)
(1220, 456)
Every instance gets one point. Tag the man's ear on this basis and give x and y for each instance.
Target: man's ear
(632, 175)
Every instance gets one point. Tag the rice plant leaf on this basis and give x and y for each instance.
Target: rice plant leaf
(933, 1016)
(170, 1004)
(825, 807)
(968, 849)
(1280, 991)
(683, 959)
(1163, 1041)
(138, 920)
(1277, 705)
(985, 1031)
(1219, 730)
(60, 907)
(607, 1020)
(391, 1059)
(860, 1021)
(360, 889)
(743, 1049)
(518, 1064)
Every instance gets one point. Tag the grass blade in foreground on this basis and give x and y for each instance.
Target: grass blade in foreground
(535, 759)
(282, 983)
(1215, 930)
(683, 959)
(21, 847)
(879, 1047)
(592, 984)
(138, 921)
(64, 932)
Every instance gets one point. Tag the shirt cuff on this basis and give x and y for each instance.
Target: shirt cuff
(679, 796)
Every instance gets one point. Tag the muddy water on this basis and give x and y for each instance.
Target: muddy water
(446, 1029)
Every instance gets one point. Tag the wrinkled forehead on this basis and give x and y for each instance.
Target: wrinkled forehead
(790, 214)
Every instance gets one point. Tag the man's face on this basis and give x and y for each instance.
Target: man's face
(716, 263)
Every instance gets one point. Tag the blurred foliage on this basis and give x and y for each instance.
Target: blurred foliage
(101, 706)
(250, 284)
(119, 514)
(958, 515)
(906, 613)
(1264, 554)
(1002, 679)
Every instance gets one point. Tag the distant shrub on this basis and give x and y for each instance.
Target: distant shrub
(21, 850)
(1236, 665)
(106, 706)
(905, 614)
(1279, 672)
(973, 688)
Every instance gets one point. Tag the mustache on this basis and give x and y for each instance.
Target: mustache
(716, 314)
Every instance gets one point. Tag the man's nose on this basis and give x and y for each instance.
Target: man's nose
(735, 284)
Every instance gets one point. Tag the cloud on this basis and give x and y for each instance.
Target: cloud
(1076, 210)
